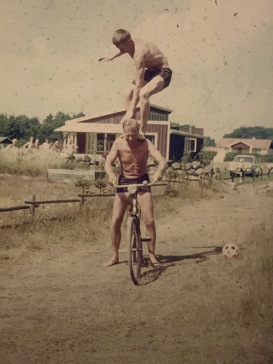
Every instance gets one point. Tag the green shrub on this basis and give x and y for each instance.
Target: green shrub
(230, 156)
(206, 156)
(186, 158)
(267, 158)
(100, 183)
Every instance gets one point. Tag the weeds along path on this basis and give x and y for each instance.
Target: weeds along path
(58, 305)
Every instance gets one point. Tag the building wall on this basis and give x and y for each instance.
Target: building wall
(240, 147)
(162, 137)
(200, 145)
(177, 147)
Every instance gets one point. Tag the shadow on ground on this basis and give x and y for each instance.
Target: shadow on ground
(152, 275)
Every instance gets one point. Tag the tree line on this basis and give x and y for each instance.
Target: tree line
(22, 127)
(246, 132)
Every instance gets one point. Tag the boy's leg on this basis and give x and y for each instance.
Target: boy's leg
(128, 95)
(119, 208)
(153, 87)
(147, 212)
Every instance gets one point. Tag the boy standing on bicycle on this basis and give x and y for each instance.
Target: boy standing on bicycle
(132, 154)
(153, 74)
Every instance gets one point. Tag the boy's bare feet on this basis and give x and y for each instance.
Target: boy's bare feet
(154, 262)
(111, 261)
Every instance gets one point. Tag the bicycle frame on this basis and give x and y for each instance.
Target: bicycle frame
(134, 239)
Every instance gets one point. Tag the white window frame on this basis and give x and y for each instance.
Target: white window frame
(188, 145)
(155, 135)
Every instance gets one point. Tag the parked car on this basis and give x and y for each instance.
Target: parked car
(245, 164)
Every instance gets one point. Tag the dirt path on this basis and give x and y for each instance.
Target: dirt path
(63, 307)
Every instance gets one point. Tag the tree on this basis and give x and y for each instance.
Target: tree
(51, 123)
(209, 142)
(175, 126)
(4, 125)
(22, 127)
(19, 127)
(246, 132)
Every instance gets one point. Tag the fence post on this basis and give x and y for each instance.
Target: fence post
(82, 196)
(32, 206)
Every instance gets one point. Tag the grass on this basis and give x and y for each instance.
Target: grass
(21, 161)
(54, 220)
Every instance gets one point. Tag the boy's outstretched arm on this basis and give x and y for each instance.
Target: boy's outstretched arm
(104, 59)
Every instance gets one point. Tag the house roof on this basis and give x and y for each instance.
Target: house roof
(78, 127)
(107, 113)
(5, 140)
(184, 133)
(253, 143)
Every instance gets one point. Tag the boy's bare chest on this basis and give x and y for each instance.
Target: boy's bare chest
(133, 155)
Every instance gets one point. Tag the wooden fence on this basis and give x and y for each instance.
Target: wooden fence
(201, 180)
(32, 204)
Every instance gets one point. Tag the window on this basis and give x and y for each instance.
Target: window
(110, 141)
(100, 142)
(105, 142)
(151, 138)
(157, 116)
(190, 145)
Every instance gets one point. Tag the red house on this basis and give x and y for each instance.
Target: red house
(95, 134)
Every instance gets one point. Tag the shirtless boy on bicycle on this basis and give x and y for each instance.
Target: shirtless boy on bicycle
(152, 74)
(132, 154)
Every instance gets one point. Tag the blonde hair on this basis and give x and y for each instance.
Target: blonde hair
(120, 35)
(131, 124)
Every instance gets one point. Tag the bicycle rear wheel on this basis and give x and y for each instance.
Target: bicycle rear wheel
(134, 248)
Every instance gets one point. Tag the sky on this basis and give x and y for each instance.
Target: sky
(220, 52)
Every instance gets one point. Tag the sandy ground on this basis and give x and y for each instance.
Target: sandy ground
(63, 307)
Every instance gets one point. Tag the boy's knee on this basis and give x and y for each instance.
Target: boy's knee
(149, 223)
(143, 96)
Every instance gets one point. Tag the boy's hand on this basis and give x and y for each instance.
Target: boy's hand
(112, 179)
(104, 59)
(157, 177)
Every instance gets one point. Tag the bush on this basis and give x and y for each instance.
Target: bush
(186, 158)
(206, 156)
(267, 158)
(230, 156)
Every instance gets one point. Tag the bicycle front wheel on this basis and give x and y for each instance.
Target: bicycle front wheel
(134, 248)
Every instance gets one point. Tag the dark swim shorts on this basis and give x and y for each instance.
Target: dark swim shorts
(130, 181)
(165, 73)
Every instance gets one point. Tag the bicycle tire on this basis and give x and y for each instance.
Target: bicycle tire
(135, 252)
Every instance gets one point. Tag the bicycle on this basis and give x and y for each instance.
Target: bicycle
(134, 238)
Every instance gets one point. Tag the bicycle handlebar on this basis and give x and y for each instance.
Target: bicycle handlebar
(153, 183)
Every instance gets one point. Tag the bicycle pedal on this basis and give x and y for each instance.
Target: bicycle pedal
(146, 239)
